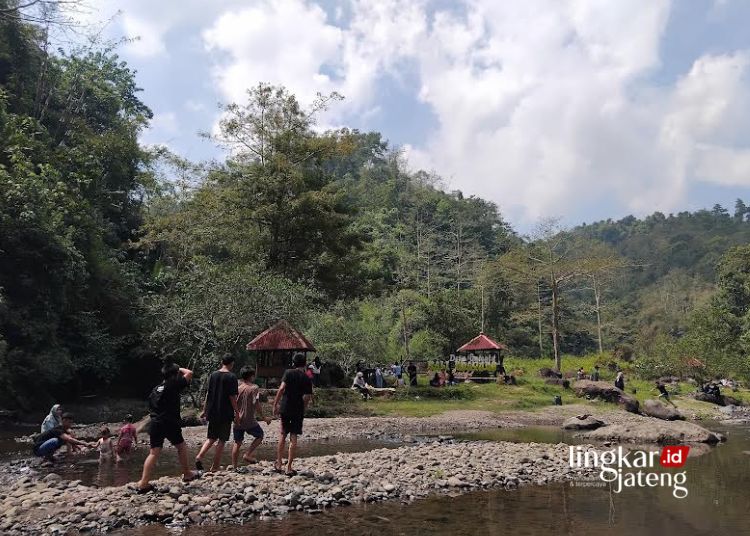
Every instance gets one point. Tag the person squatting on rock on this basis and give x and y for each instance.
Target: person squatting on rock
(166, 423)
(250, 410)
(49, 442)
(220, 408)
(53, 419)
(292, 398)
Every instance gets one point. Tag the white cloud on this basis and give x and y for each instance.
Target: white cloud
(545, 106)
(147, 38)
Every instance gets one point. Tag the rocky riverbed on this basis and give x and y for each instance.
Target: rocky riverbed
(37, 504)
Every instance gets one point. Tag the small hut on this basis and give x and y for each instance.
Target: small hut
(483, 346)
(275, 348)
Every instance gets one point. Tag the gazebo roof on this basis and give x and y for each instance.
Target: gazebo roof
(481, 343)
(281, 336)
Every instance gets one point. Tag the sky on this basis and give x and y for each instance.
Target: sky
(584, 110)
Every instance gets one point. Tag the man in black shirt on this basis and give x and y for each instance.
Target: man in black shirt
(220, 408)
(412, 370)
(166, 423)
(292, 399)
(47, 443)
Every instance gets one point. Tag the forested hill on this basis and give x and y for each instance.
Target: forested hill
(114, 255)
(692, 242)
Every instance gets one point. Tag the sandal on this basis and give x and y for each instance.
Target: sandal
(278, 470)
(196, 475)
(148, 489)
(198, 464)
(291, 473)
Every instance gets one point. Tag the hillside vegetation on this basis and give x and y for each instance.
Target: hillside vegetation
(113, 254)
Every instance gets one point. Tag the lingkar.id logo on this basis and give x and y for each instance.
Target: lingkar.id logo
(626, 469)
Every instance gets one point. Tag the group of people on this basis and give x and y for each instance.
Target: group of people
(230, 406)
(56, 432)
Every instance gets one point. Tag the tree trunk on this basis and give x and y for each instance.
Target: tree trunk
(597, 301)
(406, 331)
(555, 330)
(539, 318)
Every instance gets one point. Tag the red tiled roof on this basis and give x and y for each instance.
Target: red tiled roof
(481, 343)
(281, 336)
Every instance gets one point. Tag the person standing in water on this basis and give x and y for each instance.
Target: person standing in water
(220, 408)
(127, 438)
(250, 409)
(166, 423)
(292, 398)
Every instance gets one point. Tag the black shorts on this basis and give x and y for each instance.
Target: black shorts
(292, 423)
(160, 431)
(219, 430)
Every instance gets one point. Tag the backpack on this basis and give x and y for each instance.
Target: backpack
(154, 399)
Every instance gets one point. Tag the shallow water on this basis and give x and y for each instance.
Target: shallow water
(89, 471)
(718, 503)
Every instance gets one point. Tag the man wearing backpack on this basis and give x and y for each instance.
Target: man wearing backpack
(220, 408)
(166, 423)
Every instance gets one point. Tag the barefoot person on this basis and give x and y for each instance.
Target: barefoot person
(220, 408)
(166, 423)
(250, 410)
(127, 439)
(49, 442)
(291, 400)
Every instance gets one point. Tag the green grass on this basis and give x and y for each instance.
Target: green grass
(531, 393)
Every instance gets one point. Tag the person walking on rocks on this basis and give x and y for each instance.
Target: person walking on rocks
(291, 400)
(250, 409)
(220, 408)
(166, 423)
(663, 393)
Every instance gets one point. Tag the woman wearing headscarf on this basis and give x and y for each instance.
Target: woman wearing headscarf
(54, 419)
(361, 385)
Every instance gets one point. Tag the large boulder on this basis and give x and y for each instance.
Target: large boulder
(655, 431)
(605, 391)
(558, 381)
(582, 422)
(547, 372)
(721, 400)
(654, 408)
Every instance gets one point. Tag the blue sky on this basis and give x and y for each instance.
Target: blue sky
(581, 109)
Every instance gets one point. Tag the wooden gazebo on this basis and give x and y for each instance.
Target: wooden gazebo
(275, 348)
(483, 345)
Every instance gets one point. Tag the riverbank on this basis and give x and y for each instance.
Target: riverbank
(51, 505)
(36, 501)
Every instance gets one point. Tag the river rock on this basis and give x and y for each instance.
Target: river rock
(607, 392)
(654, 408)
(652, 430)
(582, 422)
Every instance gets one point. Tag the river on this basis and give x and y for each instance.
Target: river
(718, 503)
